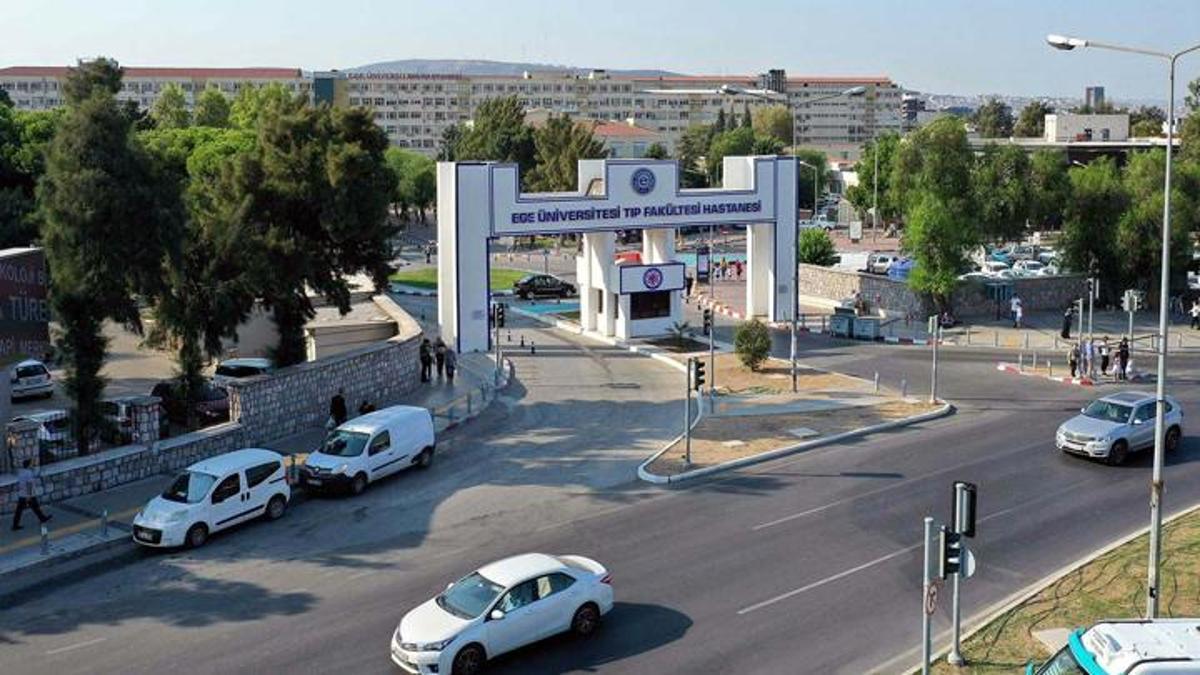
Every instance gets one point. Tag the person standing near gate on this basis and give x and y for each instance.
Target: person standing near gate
(26, 497)
(1066, 323)
(1073, 358)
(1122, 358)
(439, 357)
(1104, 355)
(1195, 314)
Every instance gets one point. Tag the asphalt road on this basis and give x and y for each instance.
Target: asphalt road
(808, 564)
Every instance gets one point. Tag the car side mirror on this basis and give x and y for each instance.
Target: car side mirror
(1137, 422)
(1083, 410)
(496, 615)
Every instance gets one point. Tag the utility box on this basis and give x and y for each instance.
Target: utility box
(866, 327)
(841, 325)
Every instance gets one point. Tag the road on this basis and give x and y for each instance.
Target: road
(808, 564)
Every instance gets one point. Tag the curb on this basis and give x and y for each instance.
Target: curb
(53, 561)
(985, 618)
(659, 479)
(1077, 381)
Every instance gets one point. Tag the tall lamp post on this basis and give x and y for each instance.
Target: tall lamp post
(796, 275)
(1156, 482)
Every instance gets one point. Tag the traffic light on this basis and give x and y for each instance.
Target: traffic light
(500, 316)
(950, 552)
(697, 374)
(707, 321)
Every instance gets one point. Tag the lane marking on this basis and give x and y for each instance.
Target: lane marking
(77, 645)
(826, 580)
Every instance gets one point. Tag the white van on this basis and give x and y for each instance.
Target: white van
(212, 495)
(370, 447)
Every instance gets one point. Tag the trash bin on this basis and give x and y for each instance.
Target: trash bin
(841, 325)
(866, 328)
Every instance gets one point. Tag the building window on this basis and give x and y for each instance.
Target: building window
(650, 305)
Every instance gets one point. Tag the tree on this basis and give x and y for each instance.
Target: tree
(448, 144)
(5, 100)
(657, 151)
(816, 248)
(937, 234)
(87, 77)
(933, 159)
(719, 127)
(738, 141)
(1001, 193)
(560, 144)
(994, 119)
(106, 218)
(500, 134)
(747, 119)
(752, 342)
(252, 101)
(212, 109)
(862, 196)
(1139, 233)
(1192, 98)
(1032, 121)
(24, 136)
(817, 159)
(416, 181)
(1049, 188)
(170, 110)
(774, 121)
(1088, 241)
(691, 151)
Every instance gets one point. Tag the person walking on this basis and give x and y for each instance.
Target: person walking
(1195, 314)
(451, 363)
(1068, 315)
(1122, 358)
(1104, 355)
(439, 355)
(337, 408)
(1014, 306)
(426, 360)
(1019, 316)
(1073, 358)
(26, 487)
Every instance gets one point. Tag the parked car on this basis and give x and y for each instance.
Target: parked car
(1111, 427)
(30, 378)
(212, 406)
(1028, 268)
(237, 369)
(1132, 647)
(993, 268)
(54, 431)
(370, 447)
(501, 607)
(215, 494)
(542, 285)
(878, 263)
(821, 221)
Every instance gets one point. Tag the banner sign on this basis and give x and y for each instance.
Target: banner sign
(651, 278)
(24, 309)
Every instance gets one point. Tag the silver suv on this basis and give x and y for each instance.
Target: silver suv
(1112, 426)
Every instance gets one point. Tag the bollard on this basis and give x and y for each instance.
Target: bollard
(803, 321)
(522, 341)
(1026, 339)
(45, 540)
(1035, 361)
(1179, 340)
(877, 382)
(968, 336)
(1050, 368)
(995, 338)
(532, 347)
(1021, 361)
(903, 388)
(510, 337)
(104, 523)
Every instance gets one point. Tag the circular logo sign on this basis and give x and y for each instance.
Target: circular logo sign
(642, 181)
(653, 278)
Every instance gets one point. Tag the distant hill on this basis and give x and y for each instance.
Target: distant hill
(484, 68)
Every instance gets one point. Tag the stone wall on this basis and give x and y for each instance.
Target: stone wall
(890, 296)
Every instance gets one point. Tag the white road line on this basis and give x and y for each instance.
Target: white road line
(826, 580)
(77, 645)
(302, 589)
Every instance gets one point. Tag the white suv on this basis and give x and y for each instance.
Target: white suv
(30, 378)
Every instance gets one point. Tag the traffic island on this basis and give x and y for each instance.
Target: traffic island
(1109, 584)
(755, 417)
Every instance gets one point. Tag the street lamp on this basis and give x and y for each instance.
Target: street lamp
(796, 274)
(1156, 483)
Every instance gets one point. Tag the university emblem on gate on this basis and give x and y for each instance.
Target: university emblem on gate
(642, 181)
(653, 278)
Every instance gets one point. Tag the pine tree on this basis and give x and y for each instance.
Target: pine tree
(719, 125)
(747, 120)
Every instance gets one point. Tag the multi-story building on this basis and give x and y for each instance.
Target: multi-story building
(1093, 98)
(414, 110)
(40, 87)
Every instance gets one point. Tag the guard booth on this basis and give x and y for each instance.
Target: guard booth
(478, 201)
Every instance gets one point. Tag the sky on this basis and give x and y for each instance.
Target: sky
(944, 46)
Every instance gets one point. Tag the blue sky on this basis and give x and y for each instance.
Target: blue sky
(968, 46)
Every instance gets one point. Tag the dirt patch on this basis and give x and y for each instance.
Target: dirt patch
(775, 377)
(721, 439)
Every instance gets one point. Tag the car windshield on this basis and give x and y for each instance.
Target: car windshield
(31, 371)
(344, 444)
(237, 371)
(1108, 411)
(525, 279)
(190, 487)
(1063, 663)
(470, 596)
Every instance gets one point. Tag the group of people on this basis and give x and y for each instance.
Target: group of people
(727, 270)
(1088, 357)
(437, 352)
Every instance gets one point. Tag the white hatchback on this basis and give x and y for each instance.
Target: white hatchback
(503, 606)
(215, 494)
(30, 378)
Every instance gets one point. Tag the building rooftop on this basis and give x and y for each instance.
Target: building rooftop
(622, 130)
(164, 72)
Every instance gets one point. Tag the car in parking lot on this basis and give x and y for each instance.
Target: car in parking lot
(30, 378)
(54, 431)
(211, 406)
(542, 286)
(501, 607)
(239, 369)
(212, 495)
(1111, 427)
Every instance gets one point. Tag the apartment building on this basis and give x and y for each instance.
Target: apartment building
(40, 87)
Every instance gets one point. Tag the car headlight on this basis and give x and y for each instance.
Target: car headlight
(177, 517)
(342, 468)
(435, 646)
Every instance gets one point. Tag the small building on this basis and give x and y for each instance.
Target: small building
(626, 139)
(1067, 127)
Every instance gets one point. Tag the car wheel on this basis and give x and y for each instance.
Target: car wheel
(1117, 453)
(586, 620)
(276, 507)
(197, 535)
(358, 484)
(1172, 439)
(468, 661)
(425, 459)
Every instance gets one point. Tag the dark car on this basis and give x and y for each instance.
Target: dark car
(542, 286)
(212, 406)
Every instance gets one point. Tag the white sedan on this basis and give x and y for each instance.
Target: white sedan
(501, 607)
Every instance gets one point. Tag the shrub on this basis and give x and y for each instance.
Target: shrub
(752, 342)
(816, 248)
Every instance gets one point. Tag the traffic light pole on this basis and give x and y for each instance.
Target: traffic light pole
(687, 413)
(712, 363)
(926, 585)
(937, 335)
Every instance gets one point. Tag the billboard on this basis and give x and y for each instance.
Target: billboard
(24, 308)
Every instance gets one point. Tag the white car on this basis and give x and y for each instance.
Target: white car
(237, 369)
(54, 429)
(30, 378)
(993, 268)
(215, 494)
(1028, 268)
(370, 447)
(501, 607)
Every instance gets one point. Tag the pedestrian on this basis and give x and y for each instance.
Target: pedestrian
(1195, 314)
(428, 253)
(1068, 315)
(1089, 357)
(1105, 354)
(1019, 316)
(1073, 358)
(365, 407)
(26, 487)
(1015, 310)
(439, 355)
(451, 363)
(337, 408)
(1122, 358)
(426, 360)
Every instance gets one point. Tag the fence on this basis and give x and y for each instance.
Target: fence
(466, 406)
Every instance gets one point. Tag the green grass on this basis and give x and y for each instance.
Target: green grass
(502, 278)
